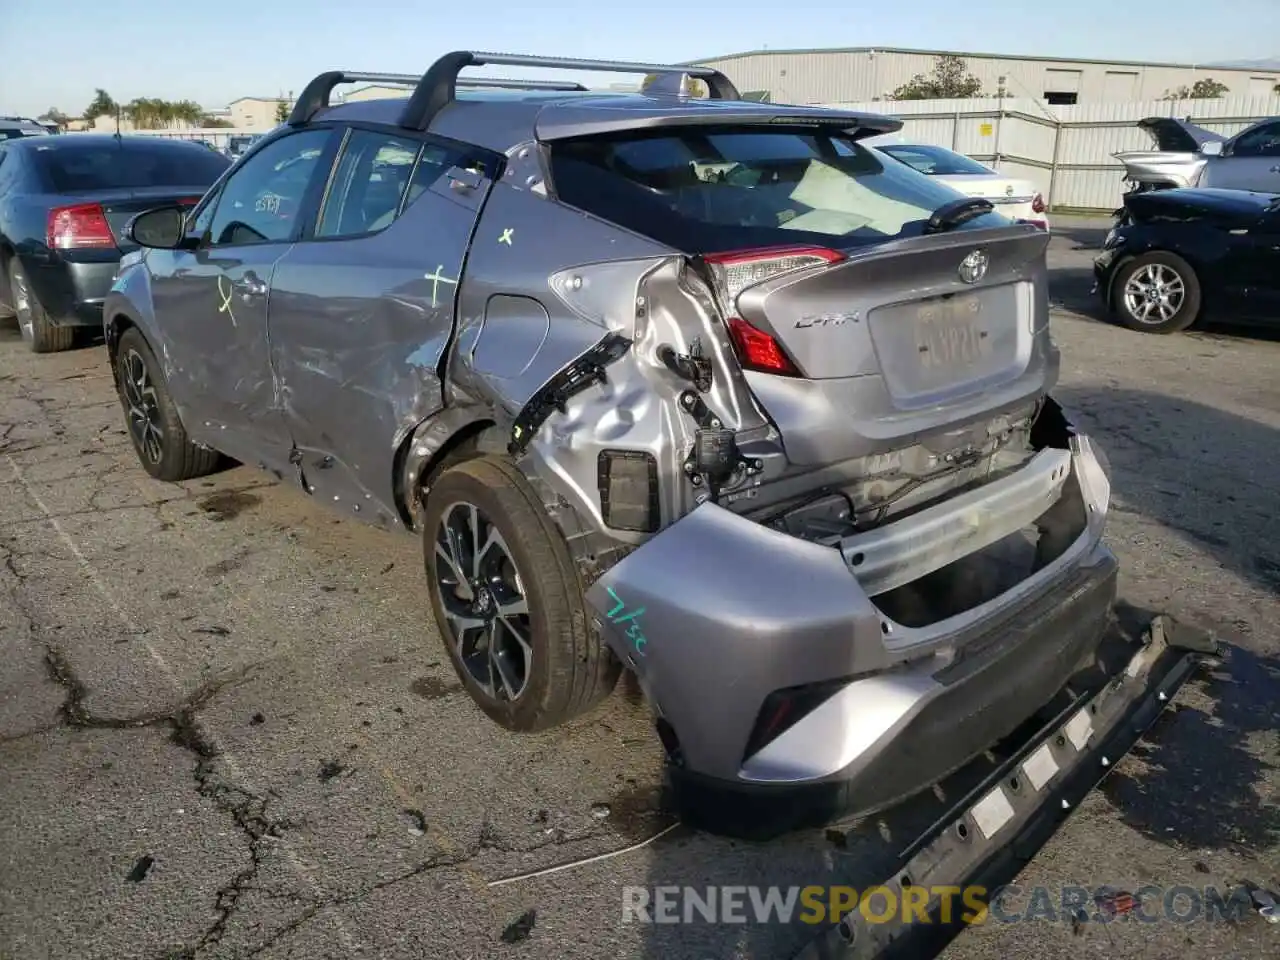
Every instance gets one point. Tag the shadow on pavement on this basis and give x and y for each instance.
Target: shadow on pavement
(1199, 783)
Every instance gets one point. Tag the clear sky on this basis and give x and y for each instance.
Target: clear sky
(54, 53)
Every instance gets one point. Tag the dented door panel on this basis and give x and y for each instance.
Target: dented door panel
(358, 328)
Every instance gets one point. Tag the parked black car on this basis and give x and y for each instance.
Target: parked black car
(64, 205)
(1175, 255)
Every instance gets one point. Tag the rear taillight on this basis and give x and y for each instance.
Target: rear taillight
(1037, 204)
(189, 201)
(758, 351)
(78, 227)
(734, 272)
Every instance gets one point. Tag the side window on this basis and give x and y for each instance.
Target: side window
(434, 162)
(368, 185)
(1262, 142)
(261, 201)
(201, 218)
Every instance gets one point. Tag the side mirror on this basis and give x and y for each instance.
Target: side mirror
(1212, 149)
(163, 228)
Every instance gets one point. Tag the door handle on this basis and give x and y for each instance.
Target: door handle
(251, 288)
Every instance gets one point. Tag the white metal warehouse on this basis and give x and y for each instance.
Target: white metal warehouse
(859, 74)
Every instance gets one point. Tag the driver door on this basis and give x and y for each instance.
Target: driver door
(211, 302)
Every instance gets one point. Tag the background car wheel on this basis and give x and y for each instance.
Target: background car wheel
(508, 599)
(152, 421)
(1157, 293)
(36, 327)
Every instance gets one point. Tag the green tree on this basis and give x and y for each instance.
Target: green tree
(283, 108)
(949, 79)
(1205, 89)
(210, 122)
(100, 105)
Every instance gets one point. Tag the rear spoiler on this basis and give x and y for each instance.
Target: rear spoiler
(567, 121)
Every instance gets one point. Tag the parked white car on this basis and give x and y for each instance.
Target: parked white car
(1016, 199)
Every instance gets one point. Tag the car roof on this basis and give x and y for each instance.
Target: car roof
(70, 140)
(501, 119)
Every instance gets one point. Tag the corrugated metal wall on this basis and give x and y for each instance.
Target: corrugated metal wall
(820, 76)
(1066, 151)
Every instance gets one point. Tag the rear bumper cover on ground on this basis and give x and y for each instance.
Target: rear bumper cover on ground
(986, 836)
(717, 612)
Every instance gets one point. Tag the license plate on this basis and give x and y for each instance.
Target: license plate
(949, 332)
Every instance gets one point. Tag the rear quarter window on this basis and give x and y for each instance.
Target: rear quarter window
(76, 167)
(710, 189)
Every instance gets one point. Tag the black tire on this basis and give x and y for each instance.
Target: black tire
(570, 670)
(37, 328)
(1164, 265)
(179, 458)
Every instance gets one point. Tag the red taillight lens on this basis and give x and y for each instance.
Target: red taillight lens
(734, 272)
(79, 227)
(189, 201)
(759, 351)
(1037, 204)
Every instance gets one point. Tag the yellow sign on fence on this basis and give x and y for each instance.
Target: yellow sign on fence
(986, 129)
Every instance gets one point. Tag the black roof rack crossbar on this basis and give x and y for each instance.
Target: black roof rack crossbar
(315, 97)
(317, 93)
(568, 86)
(438, 86)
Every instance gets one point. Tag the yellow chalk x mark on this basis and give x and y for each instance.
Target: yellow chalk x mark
(226, 298)
(436, 279)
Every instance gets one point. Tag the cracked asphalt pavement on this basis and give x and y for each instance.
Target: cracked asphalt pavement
(228, 729)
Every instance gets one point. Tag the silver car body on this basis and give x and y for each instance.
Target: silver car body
(1186, 155)
(834, 552)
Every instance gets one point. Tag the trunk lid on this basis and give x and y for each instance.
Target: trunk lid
(121, 206)
(1170, 135)
(1225, 208)
(1003, 192)
(937, 317)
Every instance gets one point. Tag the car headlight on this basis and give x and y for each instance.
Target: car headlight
(1111, 240)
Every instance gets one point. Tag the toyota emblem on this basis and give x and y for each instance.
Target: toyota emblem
(973, 267)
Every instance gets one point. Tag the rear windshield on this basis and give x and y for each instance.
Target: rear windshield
(935, 161)
(76, 167)
(703, 190)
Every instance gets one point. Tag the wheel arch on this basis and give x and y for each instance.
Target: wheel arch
(431, 447)
(1189, 257)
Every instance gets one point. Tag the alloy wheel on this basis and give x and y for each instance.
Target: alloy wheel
(143, 408)
(1154, 294)
(484, 601)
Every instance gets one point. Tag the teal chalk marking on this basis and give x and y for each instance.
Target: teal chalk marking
(634, 632)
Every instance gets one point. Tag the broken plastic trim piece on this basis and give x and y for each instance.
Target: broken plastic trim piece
(554, 395)
(981, 843)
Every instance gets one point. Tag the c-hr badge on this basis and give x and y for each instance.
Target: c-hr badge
(974, 267)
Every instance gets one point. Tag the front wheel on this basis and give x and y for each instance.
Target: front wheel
(157, 433)
(508, 600)
(1157, 293)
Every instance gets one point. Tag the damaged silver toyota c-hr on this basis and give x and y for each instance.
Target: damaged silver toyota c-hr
(698, 388)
